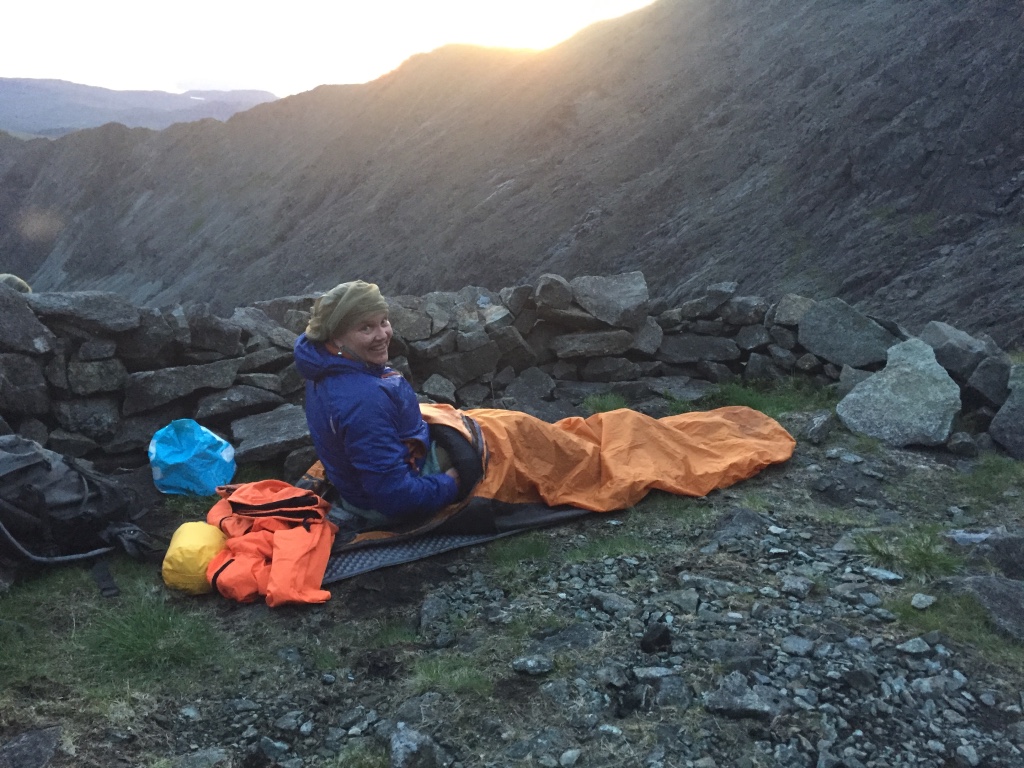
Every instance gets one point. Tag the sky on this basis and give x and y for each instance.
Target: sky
(281, 47)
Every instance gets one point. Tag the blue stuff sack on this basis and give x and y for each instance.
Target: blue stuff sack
(187, 458)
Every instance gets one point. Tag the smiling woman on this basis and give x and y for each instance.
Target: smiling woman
(195, 44)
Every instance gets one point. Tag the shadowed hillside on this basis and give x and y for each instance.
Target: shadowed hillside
(869, 150)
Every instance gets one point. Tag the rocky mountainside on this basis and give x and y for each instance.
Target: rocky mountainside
(56, 107)
(870, 151)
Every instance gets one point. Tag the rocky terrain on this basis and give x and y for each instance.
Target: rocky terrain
(857, 606)
(749, 628)
(868, 151)
(52, 108)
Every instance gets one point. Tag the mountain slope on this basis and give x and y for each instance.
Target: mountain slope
(871, 150)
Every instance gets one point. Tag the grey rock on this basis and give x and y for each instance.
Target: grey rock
(571, 318)
(270, 359)
(1007, 427)
(410, 748)
(153, 342)
(266, 436)
(93, 311)
(761, 368)
(849, 378)
(744, 310)
(835, 331)
(31, 749)
(463, 367)
(211, 757)
(790, 310)
(92, 378)
(439, 388)
(612, 603)
(680, 388)
(467, 342)
(516, 298)
(714, 297)
(22, 330)
(212, 333)
(693, 348)
(912, 401)
(990, 380)
(409, 319)
(96, 418)
(513, 349)
(751, 337)
(1002, 599)
(619, 300)
(533, 665)
(23, 387)
(257, 323)
(592, 344)
(956, 351)
(147, 390)
(434, 346)
(609, 369)
(647, 337)
(236, 402)
(532, 384)
(735, 698)
(552, 291)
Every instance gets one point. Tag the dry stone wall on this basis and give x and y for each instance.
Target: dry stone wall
(90, 375)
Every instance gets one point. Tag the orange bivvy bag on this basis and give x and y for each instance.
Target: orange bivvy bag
(278, 543)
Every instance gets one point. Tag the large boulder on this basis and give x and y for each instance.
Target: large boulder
(958, 352)
(147, 390)
(912, 401)
(270, 435)
(1007, 428)
(619, 300)
(92, 311)
(837, 332)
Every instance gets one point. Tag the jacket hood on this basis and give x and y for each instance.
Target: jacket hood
(314, 362)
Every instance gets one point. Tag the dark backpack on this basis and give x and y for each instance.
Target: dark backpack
(55, 509)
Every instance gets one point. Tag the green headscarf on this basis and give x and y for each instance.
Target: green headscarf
(338, 309)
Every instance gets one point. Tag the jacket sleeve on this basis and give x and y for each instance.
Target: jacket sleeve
(375, 449)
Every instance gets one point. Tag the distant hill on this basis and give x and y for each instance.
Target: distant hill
(55, 107)
(871, 150)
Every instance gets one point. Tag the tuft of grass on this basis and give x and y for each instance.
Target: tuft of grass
(511, 551)
(921, 553)
(991, 477)
(962, 619)
(772, 399)
(361, 756)
(449, 675)
(188, 508)
(605, 401)
(608, 546)
(391, 633)
(58, 627)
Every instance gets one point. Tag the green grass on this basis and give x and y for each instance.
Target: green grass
(773, 399)
(58, 627)
(449, 675)
(608, 546)
(361, 756)
(920, 553)
(991, 477)
(511, 551)
(390, 633)
(605, 401)
(961, 618)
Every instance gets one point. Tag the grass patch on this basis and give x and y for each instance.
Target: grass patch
(921, 553)
(608, 546)
(772, 399)
(602, 402)
(513, 550)
(361, 756)
(391, 633)
(449, 675)
(188, 508)
(991, 477)
(59, 627)
(961, 618)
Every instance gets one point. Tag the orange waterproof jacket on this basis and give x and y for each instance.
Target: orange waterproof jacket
(279, 541)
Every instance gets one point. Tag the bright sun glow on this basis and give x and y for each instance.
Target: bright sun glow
(284, 48)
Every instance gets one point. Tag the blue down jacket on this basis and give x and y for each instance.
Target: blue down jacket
(360, 417)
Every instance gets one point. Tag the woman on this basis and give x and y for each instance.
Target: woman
(363, 416)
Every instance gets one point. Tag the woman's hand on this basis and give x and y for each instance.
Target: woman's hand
(454, 475)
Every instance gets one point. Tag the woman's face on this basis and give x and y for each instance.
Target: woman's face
(369, 338)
